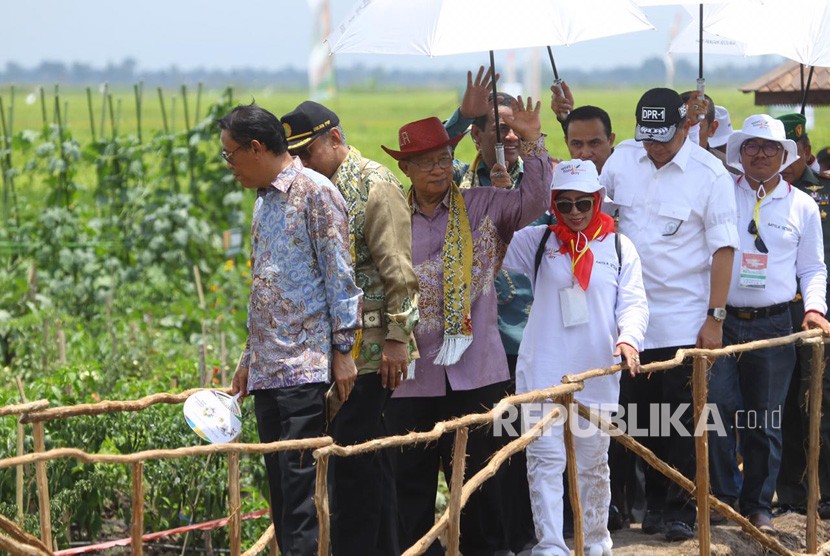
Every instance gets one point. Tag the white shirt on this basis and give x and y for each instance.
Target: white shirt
(790, 225)
(677, 217)
(616, 301)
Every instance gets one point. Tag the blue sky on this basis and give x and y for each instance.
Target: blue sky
(248, 33)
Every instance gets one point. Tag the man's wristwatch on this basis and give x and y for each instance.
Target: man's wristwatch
(343, 348)
(717, 313)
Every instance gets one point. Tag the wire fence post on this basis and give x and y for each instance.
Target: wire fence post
(814, 403)
(459, 456)
(699, 393)
(573, 481)
(137, 517)
(234, 503)
(42, 481)
(321, 500)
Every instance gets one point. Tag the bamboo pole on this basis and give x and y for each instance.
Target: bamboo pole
(43, 115)
(61, 343)
(11, 546)
(42, 482)
(459, 454)
(699, 394)
(814, 401)
(321, 501)
(21, 450)
(673, 474)
(104, 93)
(573, 480)
(204, 380)
(91, 116)
(138, 91)
(137, 517)
(235, 503)
(267, 539)
(18, 534)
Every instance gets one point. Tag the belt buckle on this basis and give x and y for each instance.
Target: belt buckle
(745, 315)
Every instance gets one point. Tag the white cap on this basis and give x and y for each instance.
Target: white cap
(576, 175)
(760, 126)
(724, 130)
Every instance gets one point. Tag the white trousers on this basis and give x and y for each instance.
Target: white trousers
(545, 469)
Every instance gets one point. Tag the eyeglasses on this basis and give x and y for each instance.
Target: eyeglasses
(565, 206)
(305, 152)
(769, 149)
(426, 165)
(759, 243)
(228, 156)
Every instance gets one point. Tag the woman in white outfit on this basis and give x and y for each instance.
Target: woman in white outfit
(589, 309)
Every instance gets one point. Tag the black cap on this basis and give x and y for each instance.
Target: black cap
(658, 113)
(306, 122)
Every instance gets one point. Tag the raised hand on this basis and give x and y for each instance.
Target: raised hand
(476, 100)
(561, 100)
(525, 119)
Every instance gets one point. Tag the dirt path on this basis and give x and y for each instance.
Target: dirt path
(727, 540)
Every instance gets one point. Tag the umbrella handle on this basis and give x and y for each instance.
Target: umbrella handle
(500, 154)
(701, 88)
(557, 83)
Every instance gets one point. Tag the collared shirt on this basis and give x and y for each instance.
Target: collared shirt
(677, 216)
(494, 215)
(617, 312)
(381, 239)
(303, 295)
(790, 226)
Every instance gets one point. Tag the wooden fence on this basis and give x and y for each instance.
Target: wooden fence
(16, 541)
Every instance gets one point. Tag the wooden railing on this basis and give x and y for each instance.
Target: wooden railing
(16, 541)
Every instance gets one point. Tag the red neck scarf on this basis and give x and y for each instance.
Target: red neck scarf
(577, 244)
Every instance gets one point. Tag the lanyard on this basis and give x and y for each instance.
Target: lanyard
(581, 252)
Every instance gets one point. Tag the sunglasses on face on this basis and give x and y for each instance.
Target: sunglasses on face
(769, 149)
(565, 206)
(759, 243)
(305, 152)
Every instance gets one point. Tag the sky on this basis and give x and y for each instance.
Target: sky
(261, 34)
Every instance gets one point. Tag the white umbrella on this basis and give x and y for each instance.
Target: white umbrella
(796, 29)
(444, 27)
(688, 41)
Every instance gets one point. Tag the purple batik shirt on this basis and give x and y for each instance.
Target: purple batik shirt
(494, 215)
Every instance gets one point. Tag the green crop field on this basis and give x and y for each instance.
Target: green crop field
(369, 118)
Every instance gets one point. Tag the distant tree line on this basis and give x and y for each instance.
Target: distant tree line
(126, 72)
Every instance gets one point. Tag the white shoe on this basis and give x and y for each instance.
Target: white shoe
(600, 549)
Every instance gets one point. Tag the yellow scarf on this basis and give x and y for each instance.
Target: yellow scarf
(457, 258)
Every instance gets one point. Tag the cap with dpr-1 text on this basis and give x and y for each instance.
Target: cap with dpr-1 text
(658, 114)
(307, 122)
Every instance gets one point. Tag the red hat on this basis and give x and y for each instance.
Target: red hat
(420, 137)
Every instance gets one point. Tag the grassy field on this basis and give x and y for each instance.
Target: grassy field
(369, 118)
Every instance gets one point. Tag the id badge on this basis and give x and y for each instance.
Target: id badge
(574, 306)
(753, 271)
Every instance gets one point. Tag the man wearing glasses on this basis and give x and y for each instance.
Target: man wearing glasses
(676, 205)
(364, 509)
(781, 248)
(304, 303)
(459, 237)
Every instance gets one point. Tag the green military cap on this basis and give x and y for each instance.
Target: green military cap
(795, 125)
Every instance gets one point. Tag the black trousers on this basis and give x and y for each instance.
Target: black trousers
(417, 466)
(792, 482)
(515, 493)
(364, 502)
(672, 388)
(288, 414)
